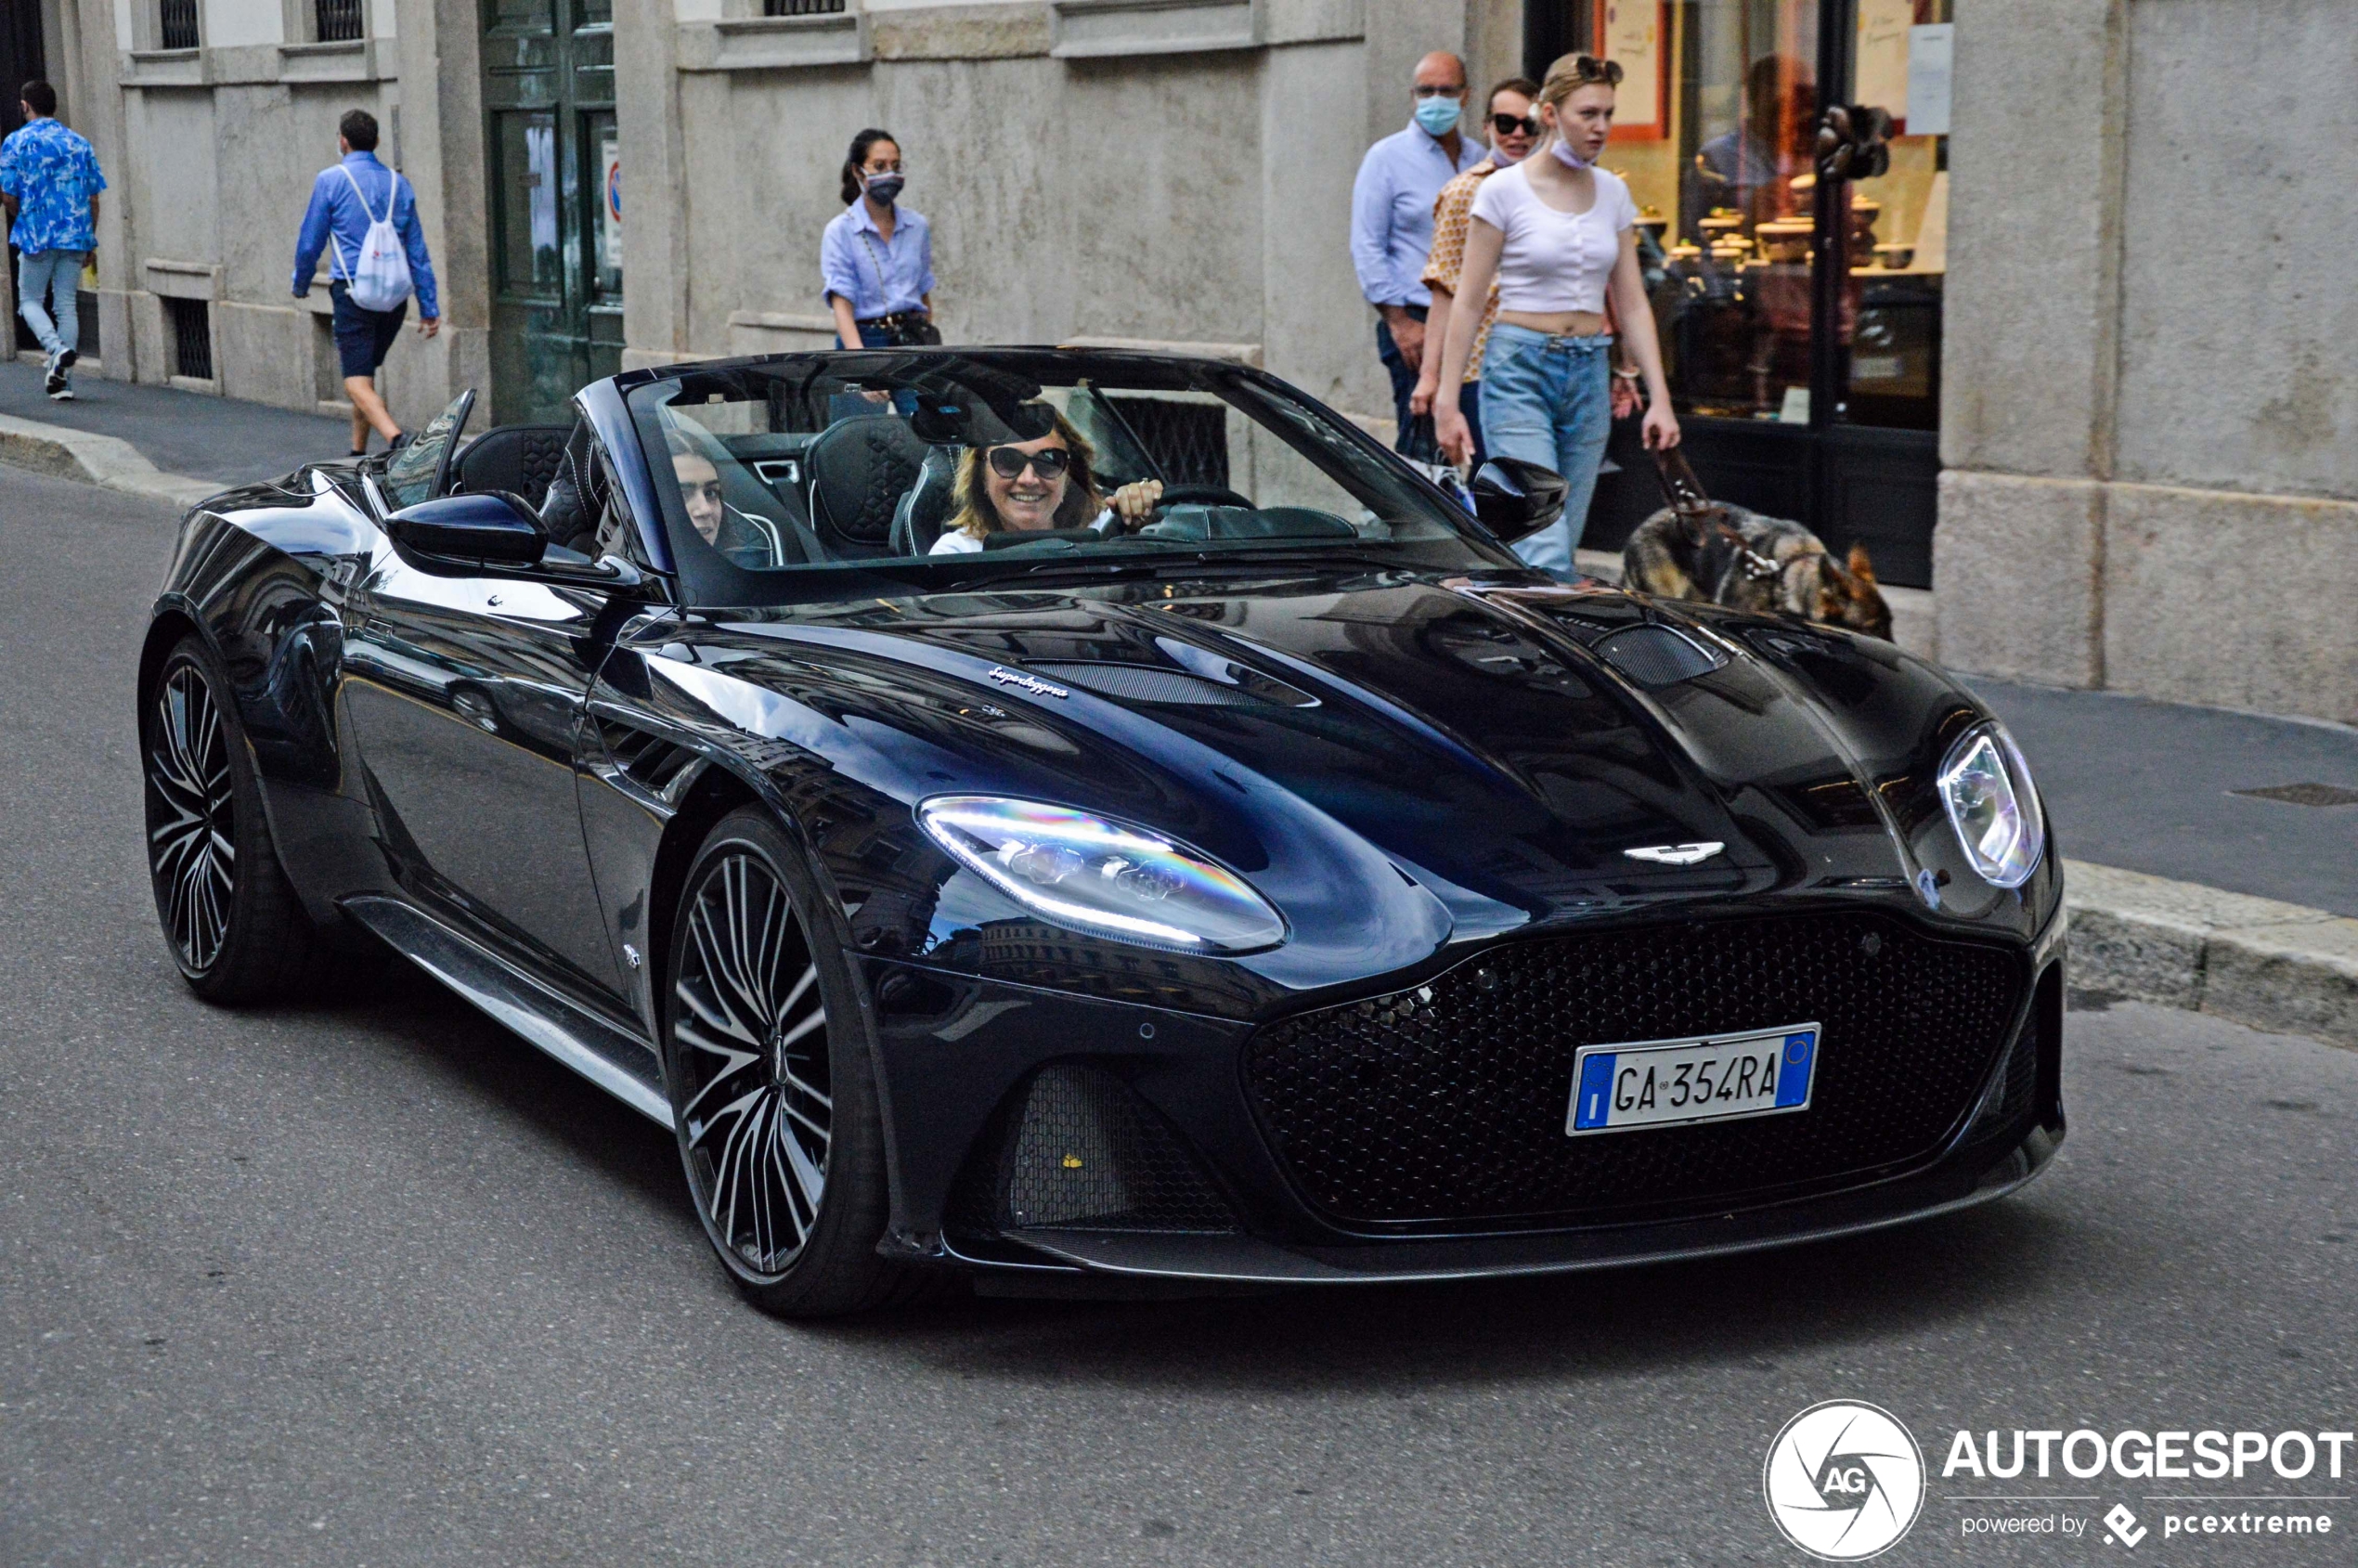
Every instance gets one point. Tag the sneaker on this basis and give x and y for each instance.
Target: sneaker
(66, 356)
(63, 392)
(55, 385)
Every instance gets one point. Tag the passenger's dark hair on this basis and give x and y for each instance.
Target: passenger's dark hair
(859, 155)
(39, 97)
(1523, 85)
(358, 128)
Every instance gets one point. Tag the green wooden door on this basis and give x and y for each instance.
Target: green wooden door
(556, 234)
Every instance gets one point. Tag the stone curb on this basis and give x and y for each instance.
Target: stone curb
(96, 459)
(2276, 966)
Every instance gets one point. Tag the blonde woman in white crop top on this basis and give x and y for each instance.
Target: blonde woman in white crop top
(1560, 236)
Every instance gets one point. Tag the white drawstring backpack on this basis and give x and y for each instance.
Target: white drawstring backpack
(379, 278)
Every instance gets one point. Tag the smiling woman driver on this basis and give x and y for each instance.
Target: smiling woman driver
(1022, 487)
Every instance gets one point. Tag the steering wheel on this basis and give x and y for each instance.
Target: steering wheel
(1202, 495)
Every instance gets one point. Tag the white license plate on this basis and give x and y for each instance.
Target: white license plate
(1717, 1078)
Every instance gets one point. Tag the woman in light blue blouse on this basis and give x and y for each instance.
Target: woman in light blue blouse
(877, 257)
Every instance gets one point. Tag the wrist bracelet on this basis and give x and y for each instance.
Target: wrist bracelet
(1630, 375)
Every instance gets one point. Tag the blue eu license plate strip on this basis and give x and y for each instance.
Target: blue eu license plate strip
(1708, 1077)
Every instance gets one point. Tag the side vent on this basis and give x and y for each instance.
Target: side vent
(1087, 1154)
(647, 760)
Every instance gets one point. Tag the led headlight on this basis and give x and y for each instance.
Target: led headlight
(1103, 876)
(1986, 785)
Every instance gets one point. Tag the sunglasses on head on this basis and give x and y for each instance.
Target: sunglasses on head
(1508, 124)
(1589, 68)
(1008, 462)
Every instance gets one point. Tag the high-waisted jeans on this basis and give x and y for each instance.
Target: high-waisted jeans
(1549, 401)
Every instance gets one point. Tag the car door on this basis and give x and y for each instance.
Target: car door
(466, 698)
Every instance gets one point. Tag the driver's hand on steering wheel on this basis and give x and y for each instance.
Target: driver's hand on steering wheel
(1135, 504)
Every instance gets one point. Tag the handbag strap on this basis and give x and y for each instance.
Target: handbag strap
(884, 287)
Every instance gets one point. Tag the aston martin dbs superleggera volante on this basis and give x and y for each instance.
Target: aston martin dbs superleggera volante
(1065, 817)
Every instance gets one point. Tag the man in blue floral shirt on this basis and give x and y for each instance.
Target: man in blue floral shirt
(49, 178)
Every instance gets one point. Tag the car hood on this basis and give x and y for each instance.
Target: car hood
(1400, 761)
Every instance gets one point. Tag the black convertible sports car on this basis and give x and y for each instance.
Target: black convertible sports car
(1069, 816)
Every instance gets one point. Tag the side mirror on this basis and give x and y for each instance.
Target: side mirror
(1515, 499)
(488, 528)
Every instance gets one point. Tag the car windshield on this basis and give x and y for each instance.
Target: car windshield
(784, 478)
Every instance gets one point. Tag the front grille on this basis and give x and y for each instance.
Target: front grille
(1449, 1102)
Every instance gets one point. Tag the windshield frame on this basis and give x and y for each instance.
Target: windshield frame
(1463, 545)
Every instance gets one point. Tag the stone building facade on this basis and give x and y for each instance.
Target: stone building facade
(2142, 374)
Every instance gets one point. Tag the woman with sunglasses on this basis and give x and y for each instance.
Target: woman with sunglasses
(1560, 236)
(1019, 487)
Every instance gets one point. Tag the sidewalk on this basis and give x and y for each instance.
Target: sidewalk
(219, 440)
(2150, 787)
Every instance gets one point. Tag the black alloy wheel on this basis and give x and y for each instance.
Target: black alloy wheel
(233, 923)
(192, 822)
(771, 1083)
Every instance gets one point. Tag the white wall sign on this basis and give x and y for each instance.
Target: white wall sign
(1930, 48)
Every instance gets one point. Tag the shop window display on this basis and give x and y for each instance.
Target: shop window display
(1715, 133)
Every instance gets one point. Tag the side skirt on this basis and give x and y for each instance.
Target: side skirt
(621, 1063)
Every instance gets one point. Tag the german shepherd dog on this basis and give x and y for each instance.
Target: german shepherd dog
(1697, 548)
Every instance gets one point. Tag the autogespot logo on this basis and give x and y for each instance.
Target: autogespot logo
(1843, 1480)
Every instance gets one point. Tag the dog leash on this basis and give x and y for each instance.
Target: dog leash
(1686, 496)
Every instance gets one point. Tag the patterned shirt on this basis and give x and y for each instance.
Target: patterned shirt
(53, 174)
(1451, 211)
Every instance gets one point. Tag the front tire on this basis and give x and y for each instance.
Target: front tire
(771, 1083)
(232, 921)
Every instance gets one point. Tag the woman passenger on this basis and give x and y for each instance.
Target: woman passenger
(1559, 234)
(876, 256)
(1019, 487)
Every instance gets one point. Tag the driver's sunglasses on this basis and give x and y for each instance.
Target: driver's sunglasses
(1009, 462)
(1508, 125)
(1589, 68)
(709, 490)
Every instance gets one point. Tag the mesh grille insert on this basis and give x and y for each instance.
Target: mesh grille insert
(1449, 1102)
(1087, 1155)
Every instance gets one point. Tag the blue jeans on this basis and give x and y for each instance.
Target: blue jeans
(1549, 401)
(1404, 380)
(37, 275)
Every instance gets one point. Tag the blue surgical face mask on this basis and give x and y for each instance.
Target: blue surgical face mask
(884, 187)
(1438, 116)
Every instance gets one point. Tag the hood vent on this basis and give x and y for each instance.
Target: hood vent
(1657, 655)
(1143, 683)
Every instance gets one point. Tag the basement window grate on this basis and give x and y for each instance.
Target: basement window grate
(339, 20)
(85, 311)
(191, 324)
(179, 19)
(801, 8)
(1187, 441)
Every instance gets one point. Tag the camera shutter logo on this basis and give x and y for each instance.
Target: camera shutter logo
(1843, 1480)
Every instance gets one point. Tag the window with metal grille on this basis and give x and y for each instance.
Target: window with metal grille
(339, 20)
(191, 324)
(180, 18)
(85, 311)
(1187, 441)
(801, 8)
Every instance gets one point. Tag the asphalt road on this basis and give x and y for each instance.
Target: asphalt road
(375, 1284)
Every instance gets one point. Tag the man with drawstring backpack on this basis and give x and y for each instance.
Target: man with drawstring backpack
(366, 217)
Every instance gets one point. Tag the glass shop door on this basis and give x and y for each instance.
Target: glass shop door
(556, 217)
(1801, 327)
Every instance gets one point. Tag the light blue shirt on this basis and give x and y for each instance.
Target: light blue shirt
(879, 276)
(336, 213)
(1392, 211)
